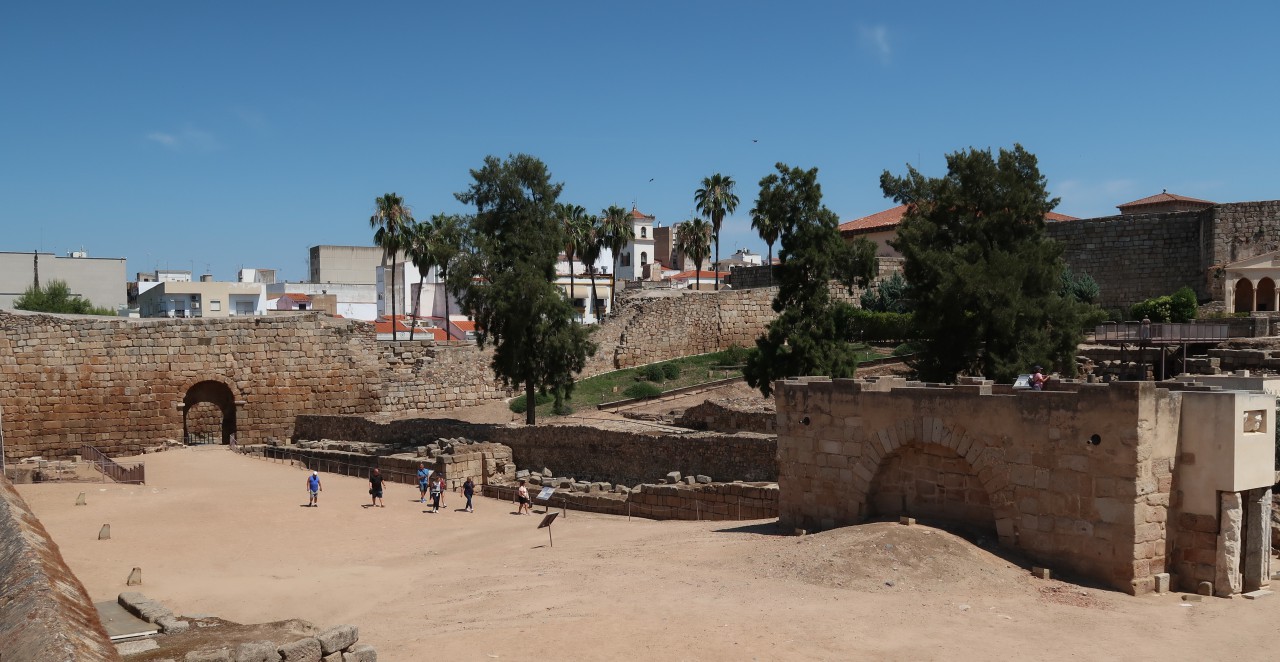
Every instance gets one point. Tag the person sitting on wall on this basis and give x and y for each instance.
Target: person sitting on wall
(1038, 379)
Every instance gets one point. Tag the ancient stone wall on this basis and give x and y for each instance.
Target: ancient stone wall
(715, 502)
(1097, 509)
(423, 375)
(723, 416)
(1133, 258)
(695, 323)
(47, 614)
(587, 453)
(1242, 230)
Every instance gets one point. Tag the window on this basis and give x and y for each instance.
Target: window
(644, 232)
(626, 259)
(644, 259)
(215, 305)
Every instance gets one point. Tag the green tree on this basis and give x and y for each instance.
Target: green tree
(693, 240)
(888, 297)
(390, 221)
(56, 297)
(448, 237)
(1082, 288)
(616, 231)
(575, 224)
(714, 201)
(417, 248)
(810, 335)
(985, 280)
(588, 252)
(516, 304)
(766, 227)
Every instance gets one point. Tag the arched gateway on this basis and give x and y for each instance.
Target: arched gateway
(211, 392)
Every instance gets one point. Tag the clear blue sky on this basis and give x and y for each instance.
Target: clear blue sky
(230, 134)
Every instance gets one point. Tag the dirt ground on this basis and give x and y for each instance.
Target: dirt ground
(225, 535)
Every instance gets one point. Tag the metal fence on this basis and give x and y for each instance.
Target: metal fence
(133, 473)
(1164, 333)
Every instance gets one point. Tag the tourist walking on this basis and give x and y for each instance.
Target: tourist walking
(437, 487)
(424, 481)
(1038, 379)
(375, 489)
(469, 490)
(522, 498)
(313, 489)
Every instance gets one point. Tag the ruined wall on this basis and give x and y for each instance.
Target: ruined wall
(729, 416)
(695, 323)
(1133, 258)
(1099, 510)
(587, 453)
(714, 502)
(423, 375)
(46, 614)
(1242, 230)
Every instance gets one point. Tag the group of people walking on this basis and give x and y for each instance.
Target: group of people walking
(429, 483)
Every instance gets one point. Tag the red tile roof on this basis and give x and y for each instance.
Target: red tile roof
(639, 215)
(464, 325)
(691, 275)
(300, 298)
(1162, 197)
(890, 218)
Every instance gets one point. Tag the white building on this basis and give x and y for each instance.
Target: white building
(207, 298)
(639, 252)
(742, 258)
(354, 301)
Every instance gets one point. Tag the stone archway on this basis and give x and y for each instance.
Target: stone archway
(930, 481)
(983, 468)
(1243, 296)
(215, 393)
(1265, 295)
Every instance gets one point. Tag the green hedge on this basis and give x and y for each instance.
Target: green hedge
(869, 326)
(1181, 306)
(643, 390)
(519, 404)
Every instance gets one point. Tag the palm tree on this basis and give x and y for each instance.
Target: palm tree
(694, 240)
(391, 218)
(573, 221)
(767, 228)
(714, 200)
(616, 232)
(446, 244)
(418, 238)
(588, 251)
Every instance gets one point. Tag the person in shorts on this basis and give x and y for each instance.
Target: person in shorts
(375, 489)
(313, 488)
(424, 481)
(522, 498)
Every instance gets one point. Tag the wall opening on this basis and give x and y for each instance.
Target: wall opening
(199, 419)
(930, 482)
(1266, 295)
(1244, 296)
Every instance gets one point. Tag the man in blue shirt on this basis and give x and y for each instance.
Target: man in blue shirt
(313, 487)
(424, 482)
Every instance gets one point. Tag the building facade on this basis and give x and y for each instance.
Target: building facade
(206, 298)
(98, 279)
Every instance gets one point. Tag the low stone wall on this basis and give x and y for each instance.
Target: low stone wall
(483, 462)
(723, 416)
(715, 502)
(590, 453)
(46, 614)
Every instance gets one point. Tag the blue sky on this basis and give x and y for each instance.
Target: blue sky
(220, 135)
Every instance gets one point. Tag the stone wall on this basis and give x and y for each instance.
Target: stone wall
(47, 614)
(1096, 509)
(715, 502)
(1133, 258)
(720, 415)
(587, 453)
(423, 375)
(695, 323)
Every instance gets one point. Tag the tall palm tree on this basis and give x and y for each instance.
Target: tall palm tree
(715, 200)
(588, 251)
(391, 218)
(418, 238)
(573, 221)
(446, 244)
(694, 241)
(768, 229)
(616, 232)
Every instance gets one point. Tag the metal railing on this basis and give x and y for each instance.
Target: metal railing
(1162, 333)
(136, 473)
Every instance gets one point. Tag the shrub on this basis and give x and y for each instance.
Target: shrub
(670, 370)
(652, 373)
(870, 326)
(905, 349)
(734, 355)
(890, 296)
(643, 390)
(518, 405)
(1181, 306)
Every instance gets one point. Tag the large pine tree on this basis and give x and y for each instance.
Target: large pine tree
(516, 304)
(985, 280)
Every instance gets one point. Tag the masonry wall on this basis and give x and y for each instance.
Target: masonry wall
(423, 375)
(47, 614)
(1097, 510)
(715, 502)
(695, 323)
(586, 453)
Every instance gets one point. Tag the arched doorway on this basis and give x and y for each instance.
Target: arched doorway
(1244, 296)
(195, 415)
(930, 481)
(1266, 294)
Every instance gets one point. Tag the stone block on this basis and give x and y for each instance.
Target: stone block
(673, 477)
(1162, 582)
(1041, 573)
(261, 651)
(1204, 588)
(360, 653)
(332, 657)
(220, 655)
(705, 480)
(172, 624)
(337, 638)
(302, 650)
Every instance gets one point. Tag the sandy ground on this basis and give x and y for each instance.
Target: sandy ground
(220, 534)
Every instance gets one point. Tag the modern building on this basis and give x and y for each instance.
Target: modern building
(352, 300)
(206, 298)
(346, 264)
(264, 276)
(101, 280)
(742, 258)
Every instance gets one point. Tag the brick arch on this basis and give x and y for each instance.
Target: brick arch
(986, 461)
(216, 391)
